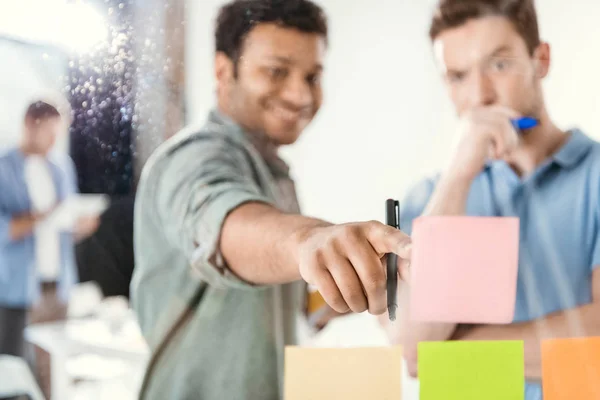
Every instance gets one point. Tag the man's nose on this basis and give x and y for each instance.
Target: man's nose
(297, 92)
(483, 92)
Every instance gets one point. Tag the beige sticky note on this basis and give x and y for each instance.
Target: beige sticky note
(343, 373)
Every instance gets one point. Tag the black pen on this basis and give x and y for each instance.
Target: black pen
(392, 217)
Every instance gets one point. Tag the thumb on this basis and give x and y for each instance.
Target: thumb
(387, 239)
(404, 269)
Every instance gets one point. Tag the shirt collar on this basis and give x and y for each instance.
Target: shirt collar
(578, 145)
(265, 147)
(217, 117)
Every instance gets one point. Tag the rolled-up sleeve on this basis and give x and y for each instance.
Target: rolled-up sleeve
(201, 183)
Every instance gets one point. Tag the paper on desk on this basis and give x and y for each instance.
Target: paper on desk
(464, 269)
(571, 368)
(343, 373)
(74, 207)
(463, 370)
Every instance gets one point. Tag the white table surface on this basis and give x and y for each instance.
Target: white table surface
(90, 336)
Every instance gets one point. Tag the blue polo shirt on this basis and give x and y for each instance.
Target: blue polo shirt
(559, 210)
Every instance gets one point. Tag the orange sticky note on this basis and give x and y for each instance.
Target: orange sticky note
(464, 269)
(343, 373)
(571, 368)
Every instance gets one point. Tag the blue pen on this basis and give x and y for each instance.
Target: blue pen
(524, 123)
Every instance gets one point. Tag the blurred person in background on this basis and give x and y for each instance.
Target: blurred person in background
(106, 257)
(37, 266)
(493, 63)
(223, 256)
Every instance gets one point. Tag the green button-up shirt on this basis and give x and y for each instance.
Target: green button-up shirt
(228, 345)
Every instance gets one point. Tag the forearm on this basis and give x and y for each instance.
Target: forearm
(450, 196)
(21, 227)
(582, 321)
(258, 243)
(417, 332)
(409, 333)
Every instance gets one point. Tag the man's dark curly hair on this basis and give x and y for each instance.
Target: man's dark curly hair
(237, 18)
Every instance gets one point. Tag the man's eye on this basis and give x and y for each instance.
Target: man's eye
(314, 79)
(277, 73)
(500, 65)
(456, 77)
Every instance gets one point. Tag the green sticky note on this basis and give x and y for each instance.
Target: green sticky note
(463, 370)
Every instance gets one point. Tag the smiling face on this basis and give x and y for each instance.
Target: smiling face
(486, 62)
(275, 88)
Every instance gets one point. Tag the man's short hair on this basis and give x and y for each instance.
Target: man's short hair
(237, 18)
(41, 110)
(454, 13)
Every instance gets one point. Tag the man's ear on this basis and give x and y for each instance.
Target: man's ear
(541, 55)
(224, 69)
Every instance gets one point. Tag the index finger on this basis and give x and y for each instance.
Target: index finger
(506, 111)
(387, 239)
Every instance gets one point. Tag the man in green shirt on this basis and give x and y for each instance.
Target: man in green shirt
(223, 256)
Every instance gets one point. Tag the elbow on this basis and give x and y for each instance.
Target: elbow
(412, 368)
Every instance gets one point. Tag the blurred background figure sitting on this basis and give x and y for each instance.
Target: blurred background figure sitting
(37, 262)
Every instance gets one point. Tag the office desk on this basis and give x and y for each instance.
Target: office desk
(85, 336)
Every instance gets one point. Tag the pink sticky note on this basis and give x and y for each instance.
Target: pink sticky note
(464, 269)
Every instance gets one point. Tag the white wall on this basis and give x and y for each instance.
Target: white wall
(386, 120)
(27, 71)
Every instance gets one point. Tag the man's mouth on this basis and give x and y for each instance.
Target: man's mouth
(287, 114)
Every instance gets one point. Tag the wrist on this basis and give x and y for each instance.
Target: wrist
(299, 238)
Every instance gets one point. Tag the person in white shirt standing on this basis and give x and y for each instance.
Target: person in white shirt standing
(37, 263)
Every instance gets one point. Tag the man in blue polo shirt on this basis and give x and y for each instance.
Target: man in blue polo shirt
(493, 62)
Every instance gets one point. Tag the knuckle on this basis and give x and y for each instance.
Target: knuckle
(351, 232)
(328, 244)
(373, 224)
(347, 238)
(374, 282)
(337, 303)
(318, 257)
